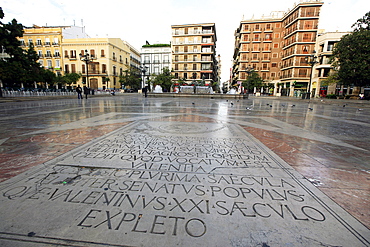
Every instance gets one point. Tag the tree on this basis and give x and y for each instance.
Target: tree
(352, 54)
(253, 81)
(333, 78)
(164, 79)
(19, 67)
(72, 78)
(130, 78)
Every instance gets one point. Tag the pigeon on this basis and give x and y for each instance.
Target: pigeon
(193, 103)
(267, 104)
(359, 109)
(310, 109)
(283, 105)
(227, 100)
(270, 105)
(344, 105)
(232, 103)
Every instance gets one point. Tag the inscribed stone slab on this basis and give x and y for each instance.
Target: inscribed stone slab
(172, 183)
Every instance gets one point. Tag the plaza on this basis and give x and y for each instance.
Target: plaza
(127, 170)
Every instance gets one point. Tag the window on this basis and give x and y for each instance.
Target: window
(268, 26)
(56, 41)
(50, 64)
(22, 42)
(266, 47)
(257, 27)
(102, 54)
(156, 70)
(47, 41)
(275, 55)
(57, 63)
(195, 49)
(38, 42)
(307, 37)
(244, 47)
(57, 54)
(195, 57)
(66, 68)
(245, 37)
(277, 25)
(73, 68)
(274, 65)
(92, 53)
(255, 47)
(277, 35)
(73, 54)
(186, 75)
(246, 27)
(30, 42)
(104, 68)
(48, 53)
(39, 53)
(194, 67)
(308, 25)
(256, 37)
(41, 63)
(83, 68)
(330, 46)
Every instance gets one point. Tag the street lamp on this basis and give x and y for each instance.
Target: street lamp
(87, 59)
(249, 71)
(143, 70)
(311, 60)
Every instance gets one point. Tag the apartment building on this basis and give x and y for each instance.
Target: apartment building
(110, 57)
(277, 46)
(135, 58)
(47, 42)
(324, 49)
(156, 57)
(194, 53)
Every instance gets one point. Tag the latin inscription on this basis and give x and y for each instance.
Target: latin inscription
(168, 185)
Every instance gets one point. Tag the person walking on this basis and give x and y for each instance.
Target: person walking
(86, 91)
(79, 92)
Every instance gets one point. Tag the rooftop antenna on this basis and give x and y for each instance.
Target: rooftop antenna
(74, 22)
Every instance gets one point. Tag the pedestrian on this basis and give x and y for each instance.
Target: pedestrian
(86, 91)
(145, 89)
(79, 92)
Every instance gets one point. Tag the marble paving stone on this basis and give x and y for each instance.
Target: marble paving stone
(155, 183)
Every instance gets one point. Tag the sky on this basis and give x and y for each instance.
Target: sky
(138, 21)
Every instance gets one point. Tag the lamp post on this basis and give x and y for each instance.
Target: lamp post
(249, 71)
(87, 59)
(311, 60)
(143, 70)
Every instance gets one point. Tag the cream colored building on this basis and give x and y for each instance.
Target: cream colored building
(324, 50)
(47, 42)
(59, 50)
(110, 57)
(194, 52)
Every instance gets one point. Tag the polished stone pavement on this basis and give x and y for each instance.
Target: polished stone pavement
(306, 162)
